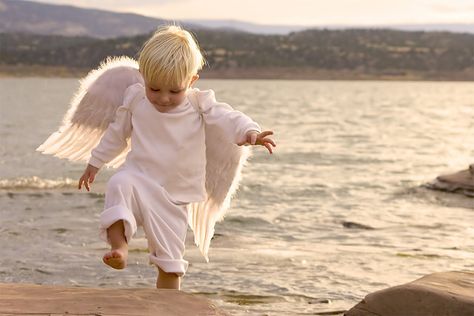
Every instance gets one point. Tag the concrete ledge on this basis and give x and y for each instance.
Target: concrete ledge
(28, 299)
(438, 294)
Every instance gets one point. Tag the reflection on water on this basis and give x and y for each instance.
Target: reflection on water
(337, 212)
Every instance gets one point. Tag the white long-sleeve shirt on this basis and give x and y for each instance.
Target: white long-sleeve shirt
(169, 147)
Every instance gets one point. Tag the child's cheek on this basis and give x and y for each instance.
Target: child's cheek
(150, 97)
(178, 99)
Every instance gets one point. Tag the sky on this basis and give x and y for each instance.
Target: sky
(295, 12)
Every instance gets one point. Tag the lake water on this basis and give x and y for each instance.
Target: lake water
(348, 153)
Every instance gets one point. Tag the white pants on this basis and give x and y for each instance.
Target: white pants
(138, 200)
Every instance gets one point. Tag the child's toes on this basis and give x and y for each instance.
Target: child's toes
(115, 259)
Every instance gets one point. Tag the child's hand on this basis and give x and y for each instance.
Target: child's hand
(255, 138)
(88, 176)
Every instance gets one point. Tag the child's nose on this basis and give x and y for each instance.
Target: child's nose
(164, 98)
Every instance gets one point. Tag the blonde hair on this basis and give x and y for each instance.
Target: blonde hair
(171, 55)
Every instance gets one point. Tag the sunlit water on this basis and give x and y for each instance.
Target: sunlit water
(348, 153)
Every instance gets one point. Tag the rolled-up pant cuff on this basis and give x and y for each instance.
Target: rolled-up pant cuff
(114, 214)
(178, 266)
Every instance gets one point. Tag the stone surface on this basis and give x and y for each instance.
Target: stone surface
(438, 294)
(27, 299)
(461, 181)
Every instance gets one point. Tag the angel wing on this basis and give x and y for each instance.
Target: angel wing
(224, 163)
(92, 109)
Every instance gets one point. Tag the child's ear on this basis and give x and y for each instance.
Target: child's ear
(193, 80)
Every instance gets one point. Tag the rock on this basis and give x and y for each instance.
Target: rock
(438, 294)
(461, 181)
(354, 225)
(28, 299)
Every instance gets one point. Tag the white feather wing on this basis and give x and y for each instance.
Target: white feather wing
(224, 163)
(92, 109)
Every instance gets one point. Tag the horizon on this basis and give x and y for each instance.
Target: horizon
(368, 13)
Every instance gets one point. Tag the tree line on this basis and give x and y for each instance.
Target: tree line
(360, 50)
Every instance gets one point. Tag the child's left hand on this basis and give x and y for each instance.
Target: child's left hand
(255, 138)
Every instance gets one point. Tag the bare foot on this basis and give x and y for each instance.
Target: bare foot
(116, 258)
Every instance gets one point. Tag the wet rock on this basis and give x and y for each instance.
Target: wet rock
(461, 181)
(319, 301)
(354, 225)
(438, 294)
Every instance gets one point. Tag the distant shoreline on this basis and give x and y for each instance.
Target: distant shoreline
(275, 73)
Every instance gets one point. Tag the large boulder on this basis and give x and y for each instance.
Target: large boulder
(27, 299)
(438, 294)
(461, 181)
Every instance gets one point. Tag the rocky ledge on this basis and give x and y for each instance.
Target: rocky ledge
(461, 181)
(28, 299)
(438, 294)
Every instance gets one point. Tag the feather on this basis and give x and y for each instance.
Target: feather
(224, 163)
(92, 109)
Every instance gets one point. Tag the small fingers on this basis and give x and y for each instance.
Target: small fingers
(268, 141)
(265, 134)
(253, 138)
(82, 180)
(269, 147)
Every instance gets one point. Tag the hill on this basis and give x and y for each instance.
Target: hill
(40, 18)
(286, 29)
(46, 19)
(312, 54)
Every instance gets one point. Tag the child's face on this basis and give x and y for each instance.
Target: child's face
(166, 97)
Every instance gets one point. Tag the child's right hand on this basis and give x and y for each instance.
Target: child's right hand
(88, 176)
